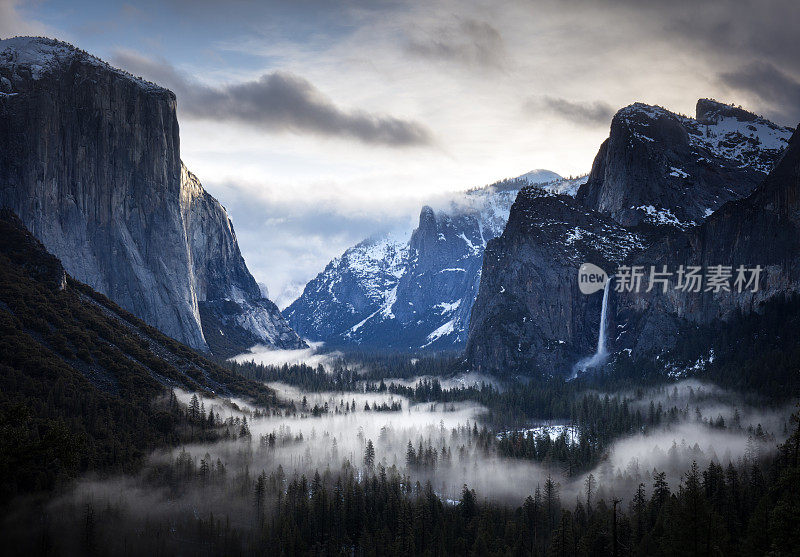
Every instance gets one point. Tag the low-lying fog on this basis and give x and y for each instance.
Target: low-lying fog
(311, 356)
(304, 443)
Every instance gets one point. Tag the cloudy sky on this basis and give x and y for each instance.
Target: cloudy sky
(317, 123)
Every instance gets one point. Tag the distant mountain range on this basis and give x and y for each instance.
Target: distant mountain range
(414, 291)
(90, 161)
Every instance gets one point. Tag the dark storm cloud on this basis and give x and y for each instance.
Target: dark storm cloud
(277, 101)
(467, 41)
(743, 29)
(752, 43)
(771, 85)
(591, 114)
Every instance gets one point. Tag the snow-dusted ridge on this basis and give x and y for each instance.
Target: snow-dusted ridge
(727, 131)
(42, 56)
(415, 290)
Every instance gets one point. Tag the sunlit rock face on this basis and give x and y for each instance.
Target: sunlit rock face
(233, 312)
(90, 161)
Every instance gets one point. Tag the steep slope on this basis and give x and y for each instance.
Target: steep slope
(415, 292)
(233, 313)
(762, 229)
(81, 378)
(90, 161)
(663, 168)
(529, 315)
(350, 289)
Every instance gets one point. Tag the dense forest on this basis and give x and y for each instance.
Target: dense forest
(84, 385)
(748, 507)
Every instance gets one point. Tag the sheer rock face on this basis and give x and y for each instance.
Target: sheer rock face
(664, 190)
(90, 161)
(663, 168)
(762, 229)
(233, 313)
(529, 313)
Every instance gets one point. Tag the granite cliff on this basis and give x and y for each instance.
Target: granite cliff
(667, 169)
(90, 161)
(718, 189)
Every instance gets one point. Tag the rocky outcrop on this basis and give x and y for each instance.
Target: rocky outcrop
(90, 161)
(667, 169)
(529, 316)
(233, 313)
(762, 229)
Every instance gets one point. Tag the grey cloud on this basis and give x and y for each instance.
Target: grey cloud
(277, 101)
(586, 114)
(771, 85)
(742, 29)
(468, 42)
(762, 29)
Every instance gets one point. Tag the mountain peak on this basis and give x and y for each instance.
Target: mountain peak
(642, 110)
(42, 56)
(427, 216)
(668, 169)
(540, 176)
(710, 111)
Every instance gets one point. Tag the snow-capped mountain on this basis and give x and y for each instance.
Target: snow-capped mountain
(662, 168)
(540, 176)
(413, 291)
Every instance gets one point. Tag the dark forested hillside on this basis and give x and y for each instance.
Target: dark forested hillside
(83, 383)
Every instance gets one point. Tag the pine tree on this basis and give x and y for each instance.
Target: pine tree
(194, 408)
(468, 503)
(552, 501)
(411, 456)
(369, 455)
(590, 485)
(261, 490)
(638, 509)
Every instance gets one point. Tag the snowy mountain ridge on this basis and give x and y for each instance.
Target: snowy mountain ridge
(661, 168)
(414, 290)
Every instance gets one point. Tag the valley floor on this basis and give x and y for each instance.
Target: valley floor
(351, 463)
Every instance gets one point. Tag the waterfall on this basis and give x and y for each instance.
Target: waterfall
(601, 339)
(599, 357)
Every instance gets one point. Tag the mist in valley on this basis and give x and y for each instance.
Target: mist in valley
(320, 436)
